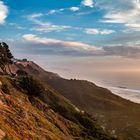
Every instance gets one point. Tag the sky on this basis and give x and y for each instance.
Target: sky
(59, 35)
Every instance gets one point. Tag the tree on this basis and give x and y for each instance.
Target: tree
(6, 57)
(21, 73)
(32, 86)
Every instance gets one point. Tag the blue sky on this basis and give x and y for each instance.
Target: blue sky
(71, 28)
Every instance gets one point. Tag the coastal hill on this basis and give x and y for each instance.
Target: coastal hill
(115, 114)
(31, 111)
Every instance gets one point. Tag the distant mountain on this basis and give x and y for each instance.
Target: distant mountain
(117, 115)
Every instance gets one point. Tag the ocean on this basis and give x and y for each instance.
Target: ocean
(124, 84)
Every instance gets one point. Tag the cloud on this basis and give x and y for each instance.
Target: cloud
(34, 16)
(124, 51)
(17, 26)
(48, 27)
(77, 46)
(88, 3)
(55, 11)
(3, 12)
(95, 31)
(123, 12)
(34, 44)
(45, 26)
(74, 9)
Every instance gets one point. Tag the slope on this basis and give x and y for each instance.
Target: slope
(45, 116)
(119, 116)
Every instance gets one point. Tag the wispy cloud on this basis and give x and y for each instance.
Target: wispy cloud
(124, 12)
(88, 3)
(45, 26)
(3, 12)
(48, 27)
(79, 46)
(95, 31)
(74, 9)
(17, 26)
(123, 51)
(55, 11)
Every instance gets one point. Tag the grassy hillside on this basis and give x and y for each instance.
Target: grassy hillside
(119, 116)
(39, 113)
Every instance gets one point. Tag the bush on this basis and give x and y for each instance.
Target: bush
(65, 111)
(21, 73)
(32, 86)
(5, 88)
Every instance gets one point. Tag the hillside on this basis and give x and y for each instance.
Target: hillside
(45, 115)
(115, 114)
(118, 115)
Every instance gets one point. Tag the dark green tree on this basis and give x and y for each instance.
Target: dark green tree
(32, 86)
(6, 57)
(21, 73)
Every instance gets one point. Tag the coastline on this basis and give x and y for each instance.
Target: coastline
(126, 93)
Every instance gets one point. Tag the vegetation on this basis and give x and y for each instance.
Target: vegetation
(47, 115)
(21, 73)
(32, 86)
(88, 126)
(5, 88)
(19, 118)
(6, 57)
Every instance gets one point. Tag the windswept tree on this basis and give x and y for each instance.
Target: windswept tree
(6, 57)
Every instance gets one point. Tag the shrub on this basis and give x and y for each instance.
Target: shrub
(32, 86)
(65, 111)
(21, 73)
(5, 88)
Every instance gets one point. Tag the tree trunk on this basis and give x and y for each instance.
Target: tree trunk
(2, 68)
